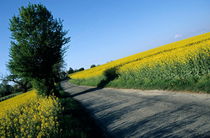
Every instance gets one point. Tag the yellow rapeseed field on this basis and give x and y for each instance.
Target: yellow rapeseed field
(182, 65)
(180, 55)
(29, 115)
(181, 51)
(12, 103)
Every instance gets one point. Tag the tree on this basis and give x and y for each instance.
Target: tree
(92, 66)
(38, 46)
(18, 84)
(81, 69)
(21, 83)
(70, 70)
(63, 75)
(5, 88)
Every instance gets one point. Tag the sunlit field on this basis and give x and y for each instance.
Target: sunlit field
(182, 65)
(29, 115)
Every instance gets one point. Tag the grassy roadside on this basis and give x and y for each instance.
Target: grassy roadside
(75, 121)
(127, 81)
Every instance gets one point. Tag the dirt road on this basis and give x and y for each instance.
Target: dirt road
(136, 113)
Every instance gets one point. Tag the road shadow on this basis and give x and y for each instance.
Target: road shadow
(132, 115)
(86, 91)
(67, 87)
(173, 122)
(110, 75)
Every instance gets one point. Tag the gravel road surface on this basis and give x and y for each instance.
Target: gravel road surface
(148, 113)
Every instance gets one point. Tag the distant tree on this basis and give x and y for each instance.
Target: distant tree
(70, 70)
(63, 75)
(5, 88)
(81, 69)
(37, 48)
(92, 66)
(21, 84)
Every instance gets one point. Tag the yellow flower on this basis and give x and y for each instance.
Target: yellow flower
(180, 52)
(25, 114)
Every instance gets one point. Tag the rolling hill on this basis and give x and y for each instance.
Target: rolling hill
(182, 65)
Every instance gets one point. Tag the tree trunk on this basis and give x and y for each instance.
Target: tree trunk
(52, 89)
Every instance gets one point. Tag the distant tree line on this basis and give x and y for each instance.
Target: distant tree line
(13, 84)
(71, 70)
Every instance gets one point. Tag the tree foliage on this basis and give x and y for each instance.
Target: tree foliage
(21, 84)
(37, 48)
(81, 69)
(70, 71)
(92, 66)
(5, 88)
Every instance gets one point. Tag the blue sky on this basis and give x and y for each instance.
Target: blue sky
(105, 30)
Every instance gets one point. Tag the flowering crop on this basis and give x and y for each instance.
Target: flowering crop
(183, 63)
(97, 71)
(29, 115)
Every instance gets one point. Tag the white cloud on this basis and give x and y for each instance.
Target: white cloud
(176, 36)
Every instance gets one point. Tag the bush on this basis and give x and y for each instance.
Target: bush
(92, 66)
(204, 83)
